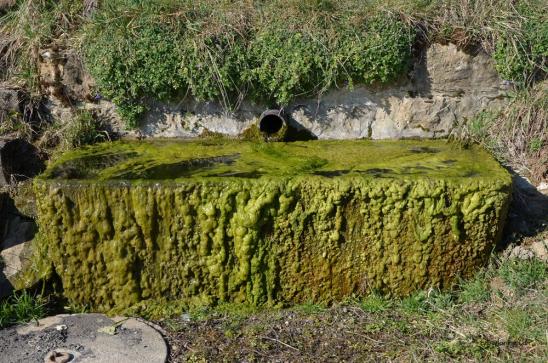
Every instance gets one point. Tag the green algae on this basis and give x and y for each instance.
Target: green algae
(267, 223)
(181, 160)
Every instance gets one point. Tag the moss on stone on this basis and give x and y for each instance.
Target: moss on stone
(252, 133)
(267, 223)
(286, 133)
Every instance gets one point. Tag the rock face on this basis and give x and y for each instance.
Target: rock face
(267, 223)
(9, 100)
(63, 78)
(16, 232)
(446, 87)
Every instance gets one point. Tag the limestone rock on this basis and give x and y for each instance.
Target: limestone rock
(540, 249)
(16, 234)
(77, 83)
(10, 100)
(9, 103)
(445, 70)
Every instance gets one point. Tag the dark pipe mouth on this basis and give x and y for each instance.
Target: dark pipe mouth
(271, 122)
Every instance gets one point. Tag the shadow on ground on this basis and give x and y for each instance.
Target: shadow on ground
(528, 214)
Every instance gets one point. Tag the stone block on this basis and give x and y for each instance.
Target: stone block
(267, 223)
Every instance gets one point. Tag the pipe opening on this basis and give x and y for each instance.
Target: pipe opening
(271, 122)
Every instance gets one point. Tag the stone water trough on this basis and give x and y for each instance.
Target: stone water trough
(212, 221)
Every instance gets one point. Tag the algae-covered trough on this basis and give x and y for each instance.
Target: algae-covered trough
(267, 223)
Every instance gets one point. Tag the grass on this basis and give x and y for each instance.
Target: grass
(521, 276)
(516, 135)
(473, 322)
(21, 307)
(86, 128)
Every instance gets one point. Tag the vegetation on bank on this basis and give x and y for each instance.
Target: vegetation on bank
(272, 51)
(517, 135)
(229, 50)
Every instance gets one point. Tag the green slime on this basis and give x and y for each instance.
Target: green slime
(214, 221)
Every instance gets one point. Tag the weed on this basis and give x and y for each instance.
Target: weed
(21, 308)
(14, 125)
(415, 303)
(310, 308)
(439, 300)
(522, 275)
(477, 348)
(375, 303)
(535, 144)
(475, 290)
(85, 128)
(520, 325)
(232, 311)
(521, 53)
(76, 308)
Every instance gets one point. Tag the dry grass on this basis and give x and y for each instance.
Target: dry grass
(517, 135)
(34, 25)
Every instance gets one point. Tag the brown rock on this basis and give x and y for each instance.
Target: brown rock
(449, 71)
(76, 82)
(62, 76)
(10, 100)
(540, 249)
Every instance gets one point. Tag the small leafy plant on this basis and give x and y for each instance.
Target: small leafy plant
(138, 51)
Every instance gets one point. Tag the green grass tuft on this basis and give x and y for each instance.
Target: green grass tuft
(522, 275)
(375, 303)
(21, 308)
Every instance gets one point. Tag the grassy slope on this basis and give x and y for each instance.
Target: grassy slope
(227, 50)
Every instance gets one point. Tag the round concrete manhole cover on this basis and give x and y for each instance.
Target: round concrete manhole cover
(83, 338)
